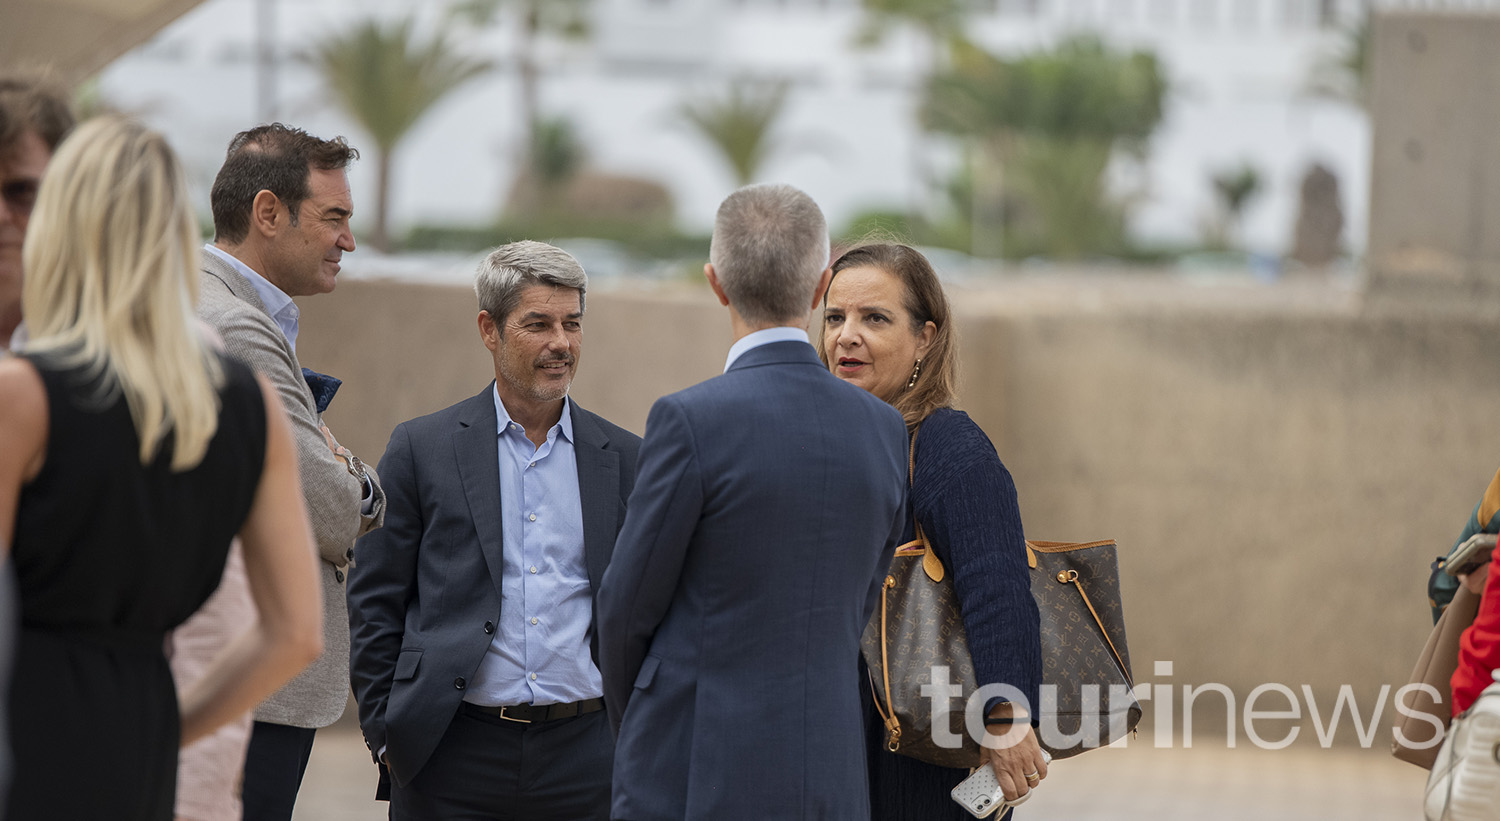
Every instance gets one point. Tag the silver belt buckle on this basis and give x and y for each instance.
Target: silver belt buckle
(509, 718)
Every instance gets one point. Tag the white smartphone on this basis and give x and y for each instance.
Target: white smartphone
(981, 796)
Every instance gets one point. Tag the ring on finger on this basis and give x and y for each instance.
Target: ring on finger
(1035, 775)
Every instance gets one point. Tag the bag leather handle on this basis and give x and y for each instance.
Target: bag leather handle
(912, 549)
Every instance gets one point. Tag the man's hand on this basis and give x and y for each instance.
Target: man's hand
(333, 444)
(1016, 756)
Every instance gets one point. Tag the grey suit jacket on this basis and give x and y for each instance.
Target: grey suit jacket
(228, 302)
(424, 594)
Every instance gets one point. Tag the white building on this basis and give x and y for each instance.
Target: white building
(1239, 70)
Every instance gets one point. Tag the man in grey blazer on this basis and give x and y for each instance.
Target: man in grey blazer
(767, 506)
(472, 611)
(281, 209)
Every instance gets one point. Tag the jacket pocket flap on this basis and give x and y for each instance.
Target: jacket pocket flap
(406, 665)
(648, 672)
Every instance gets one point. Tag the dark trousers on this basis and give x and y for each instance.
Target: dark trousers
(274, 764)
(489, 768)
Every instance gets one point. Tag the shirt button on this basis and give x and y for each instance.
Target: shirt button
(533, 619)
(349, 554)
(339, 574)
(514, 426)
(533, 676)
(458, 683)
(533, 568)
(532, 517)
(489, 627)
(533, 464)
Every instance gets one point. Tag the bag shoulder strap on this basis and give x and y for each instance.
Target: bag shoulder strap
(919, 546)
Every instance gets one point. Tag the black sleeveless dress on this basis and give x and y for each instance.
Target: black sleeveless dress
(109, 556)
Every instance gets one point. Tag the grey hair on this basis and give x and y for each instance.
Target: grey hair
(510, 269)
(769, 249)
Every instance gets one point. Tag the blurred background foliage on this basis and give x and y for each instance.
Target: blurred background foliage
(1049, 146)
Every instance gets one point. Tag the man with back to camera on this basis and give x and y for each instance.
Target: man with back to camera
(767, 507)
(281, 208)
(472, 612)
(34, 118)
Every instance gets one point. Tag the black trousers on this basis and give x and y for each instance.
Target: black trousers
(486, 767)
(274, 764)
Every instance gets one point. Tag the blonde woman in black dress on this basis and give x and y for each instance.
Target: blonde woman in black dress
(133, 453)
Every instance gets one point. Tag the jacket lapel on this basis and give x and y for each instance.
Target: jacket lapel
(598, 492)
(234, 280)
(242, 290)
(476, 449)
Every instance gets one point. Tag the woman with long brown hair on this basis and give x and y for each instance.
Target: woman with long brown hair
(887, 328)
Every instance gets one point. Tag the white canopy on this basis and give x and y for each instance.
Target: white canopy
(79, 37)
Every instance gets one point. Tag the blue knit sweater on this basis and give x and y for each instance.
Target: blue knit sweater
(966, 502)
(965, 499)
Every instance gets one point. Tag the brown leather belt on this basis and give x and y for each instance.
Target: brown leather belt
(534, 713)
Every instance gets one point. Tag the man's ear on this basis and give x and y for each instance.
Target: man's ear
(822, 288)
(713, 282)
(266, 213)
(488, 331)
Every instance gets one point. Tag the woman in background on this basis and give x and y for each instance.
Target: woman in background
(133, 453)
(887, 329)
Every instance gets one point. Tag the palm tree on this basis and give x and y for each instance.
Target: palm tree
(740, 122)
(1344, 74)
(566, 18)
(940, 21)
(1234, 189)
(1055, 119)
(386, 80)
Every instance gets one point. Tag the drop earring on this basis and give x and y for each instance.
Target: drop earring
(915, 372)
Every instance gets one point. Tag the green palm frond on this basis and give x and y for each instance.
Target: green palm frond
(567, 18)
(740, 122)
(386, 79)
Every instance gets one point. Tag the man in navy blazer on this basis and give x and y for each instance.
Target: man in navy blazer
(766, 509)
(474, 648)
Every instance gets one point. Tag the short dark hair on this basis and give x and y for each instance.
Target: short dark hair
(276, 158)
(33, 102)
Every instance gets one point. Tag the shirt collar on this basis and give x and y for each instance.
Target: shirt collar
(278, 304)
(502, 416)
(765, 336)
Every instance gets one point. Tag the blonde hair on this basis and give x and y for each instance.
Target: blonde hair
(110, 283)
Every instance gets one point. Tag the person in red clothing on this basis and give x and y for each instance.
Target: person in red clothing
(1479, 647)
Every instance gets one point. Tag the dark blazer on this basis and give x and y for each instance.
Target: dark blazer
(424, 593)
(767, 507)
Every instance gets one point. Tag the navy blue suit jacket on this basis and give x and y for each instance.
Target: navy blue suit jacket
(766, 508)
(424, 591)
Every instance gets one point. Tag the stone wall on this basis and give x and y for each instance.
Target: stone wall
(1278, 475)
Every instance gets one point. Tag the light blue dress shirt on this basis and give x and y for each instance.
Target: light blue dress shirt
(283, 310)
(540, 654)
(765, 336)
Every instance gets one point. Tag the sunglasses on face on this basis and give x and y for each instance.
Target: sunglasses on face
(19, 195)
